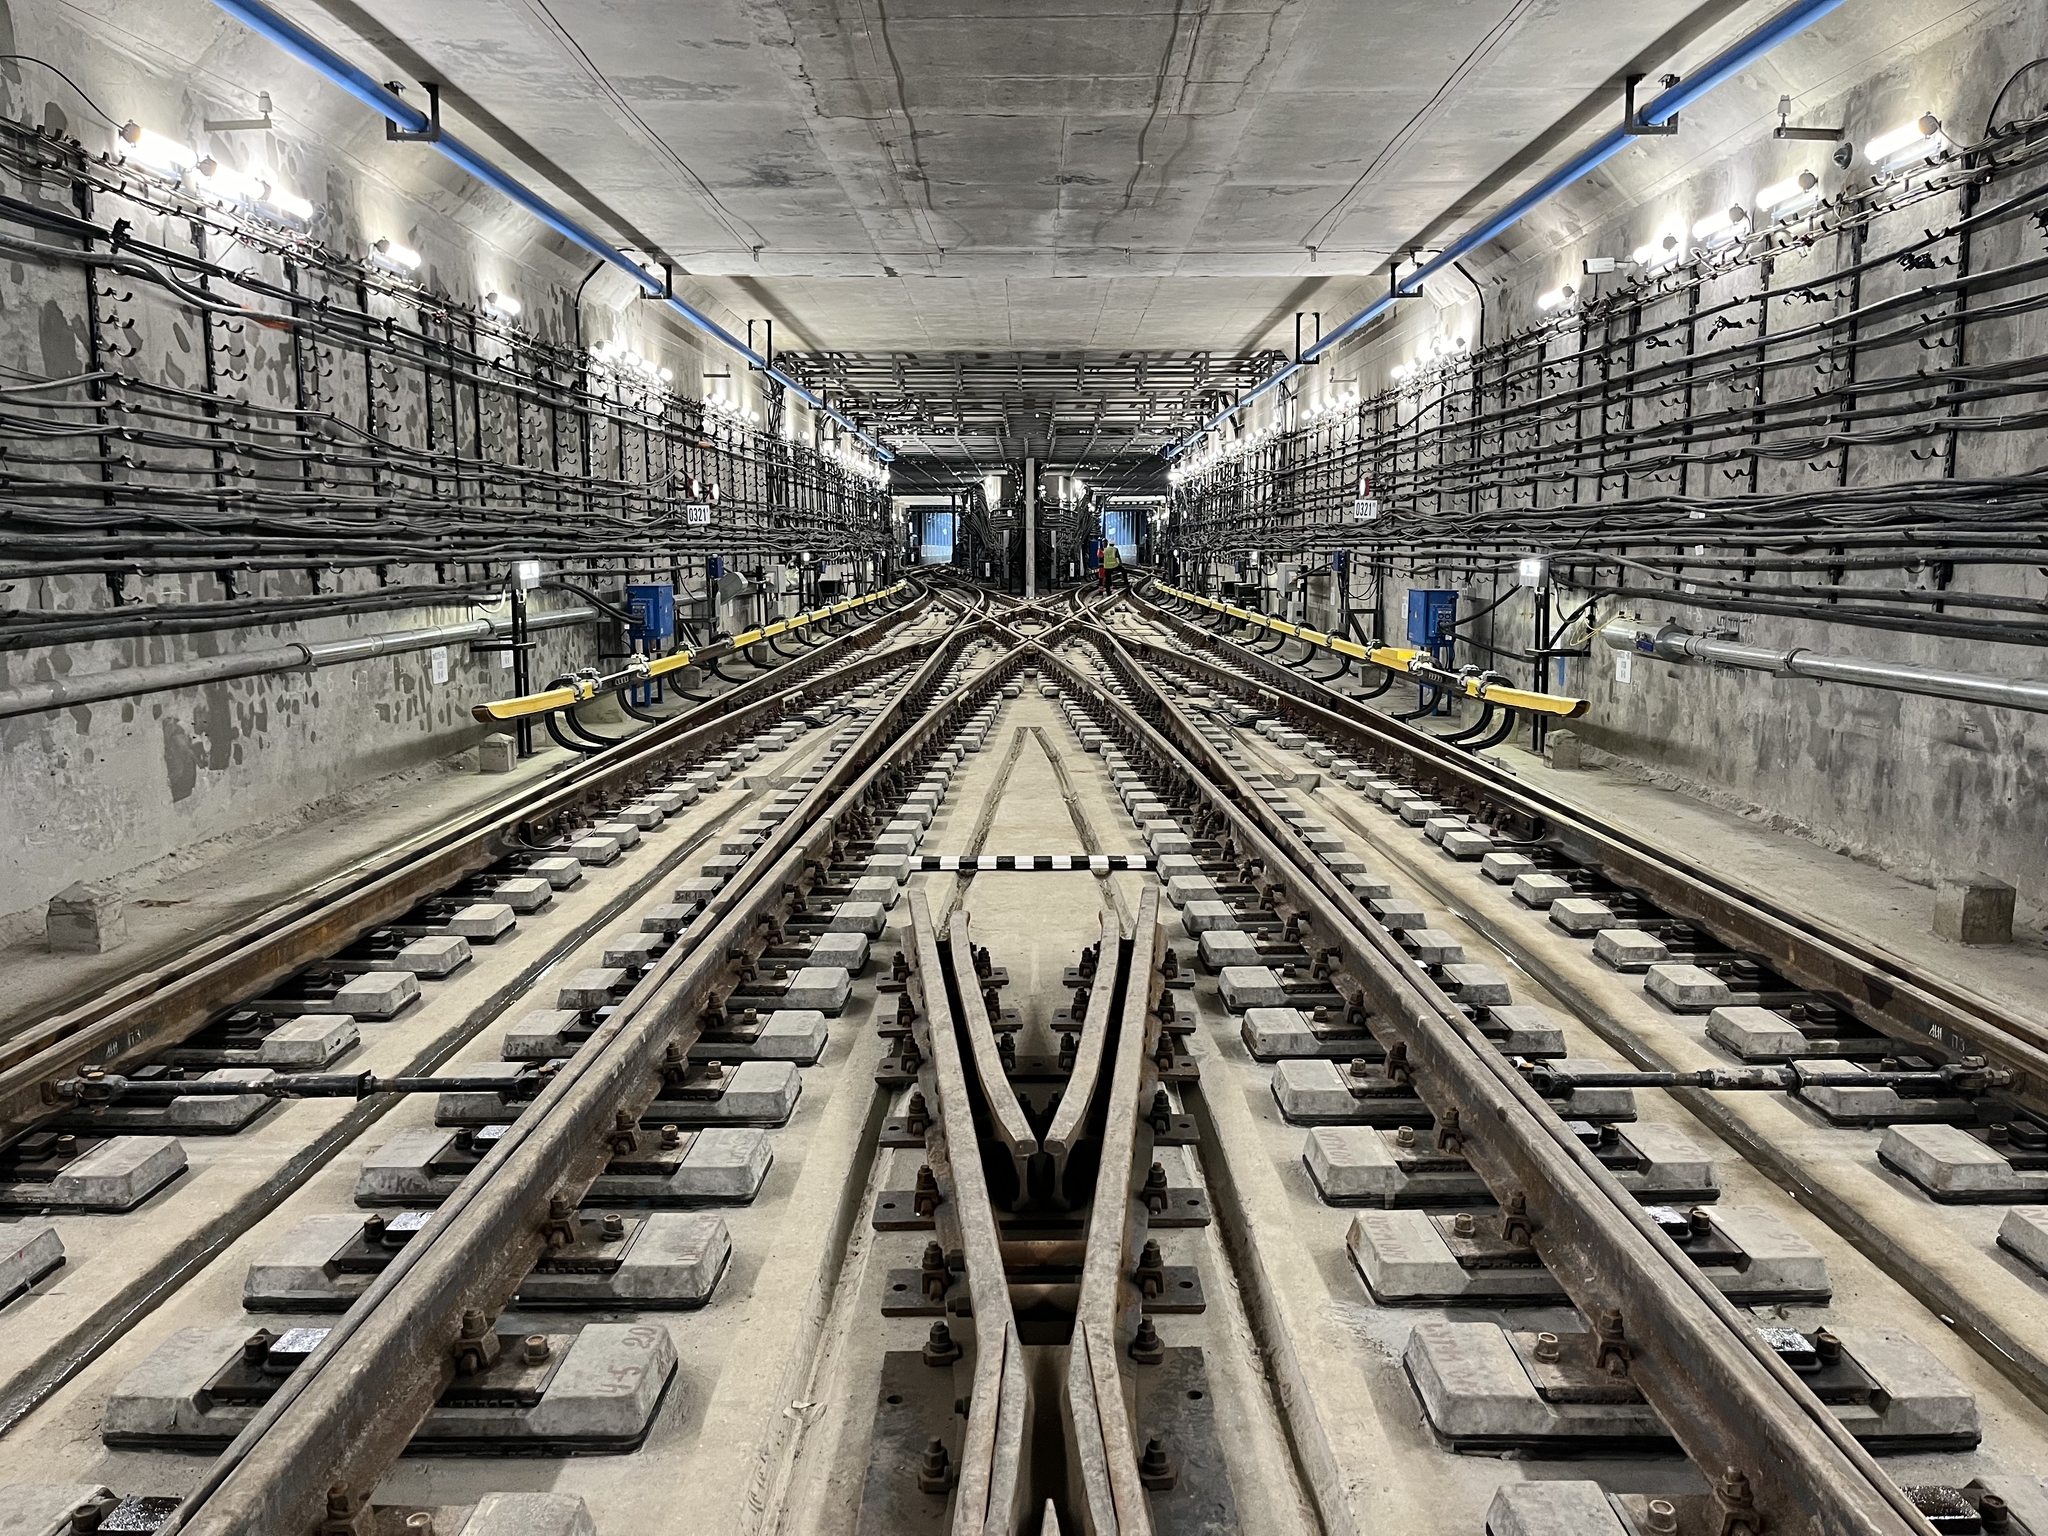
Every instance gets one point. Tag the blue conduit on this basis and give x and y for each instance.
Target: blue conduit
(1725, 65)
(317, 56)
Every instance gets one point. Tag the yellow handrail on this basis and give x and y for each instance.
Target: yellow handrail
(583, 689)
(1402, 659)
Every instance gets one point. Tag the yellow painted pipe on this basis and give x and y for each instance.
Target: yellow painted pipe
(582, 691)
(1395, 659)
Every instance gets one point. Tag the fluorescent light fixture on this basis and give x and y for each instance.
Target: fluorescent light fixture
(1722, 226)
(666, 375)
(155, 151)
(1557, 298)
(227, 183)
(387, 252)
(1661, 252)
(1780, 196)
(1908, 141)
(503, 305)
(288, 203)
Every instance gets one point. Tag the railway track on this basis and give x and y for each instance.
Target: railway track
(1115, 1084)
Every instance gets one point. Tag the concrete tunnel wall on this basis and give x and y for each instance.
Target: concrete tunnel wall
(95, 791)
(1923, 787)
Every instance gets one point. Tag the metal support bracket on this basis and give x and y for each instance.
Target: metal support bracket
(1633, 125)
(431, 134)
(1785, 130)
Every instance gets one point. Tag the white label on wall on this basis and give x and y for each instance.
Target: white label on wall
(1624, 666)
(504, 661)
(1365, 510)
(437, 661)
(697, 517)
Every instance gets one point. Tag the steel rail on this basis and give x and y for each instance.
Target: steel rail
(1110, 1305)
(989, 1493)
(1878, 988)
(347, 1413)
(1070, 1122)
(171, 1001)
(1731, 1403)
(1006, 1115)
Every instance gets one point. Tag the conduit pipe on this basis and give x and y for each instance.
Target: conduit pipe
(130, 682)
(1723, 66)
(1670, 642)
(321, 59)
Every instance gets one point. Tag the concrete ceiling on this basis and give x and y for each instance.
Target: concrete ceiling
(1066, 176)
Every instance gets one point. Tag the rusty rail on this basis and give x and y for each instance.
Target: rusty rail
(346, 1414)
(162, 1006)
(988, 1497)
(1106, 1317)
(1736, 1409)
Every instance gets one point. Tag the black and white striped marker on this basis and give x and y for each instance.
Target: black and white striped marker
(1097, 862)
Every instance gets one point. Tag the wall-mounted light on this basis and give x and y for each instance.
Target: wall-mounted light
(1557, 298)
(503, 305)
(226, 183)
(389, 254)
(288, 203)
(156, 152)
(1785, 197)
(1722, 226)
(1532, 571)
(1661, 252)
(1909, 141)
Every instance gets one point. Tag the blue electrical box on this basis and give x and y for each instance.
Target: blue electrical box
(1432, 615)
(653, 607)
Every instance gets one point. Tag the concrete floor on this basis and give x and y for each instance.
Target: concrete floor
(769, 1422)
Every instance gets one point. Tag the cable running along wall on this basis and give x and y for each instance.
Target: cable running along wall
(1832, 416)
(323, 436)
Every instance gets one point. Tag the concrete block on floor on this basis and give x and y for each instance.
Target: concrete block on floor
(633, 951)
(1250, 986)
(824, 988)
(846, 949)
(1976, 909)
(1540, 890)
(497, 753)
(594, 849)
(1467, 845)
(540, 1035)
(559, 870)
(310, 1041)
(585, 990)
(671, 918)
(1629, 949)
(485, 920)
(376, 994)
(1686, 988)
(1221, 948)
(1756, 1034)
(526, 893)
(1581, 916)
(1506, 868)
(1480, 985)
(118, 1174)
(434, 956)
(85, 920)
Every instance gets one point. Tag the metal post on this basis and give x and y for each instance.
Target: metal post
(1030, 529)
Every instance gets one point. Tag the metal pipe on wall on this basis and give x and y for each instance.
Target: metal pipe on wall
(1670, 642)
(130, 682)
